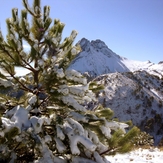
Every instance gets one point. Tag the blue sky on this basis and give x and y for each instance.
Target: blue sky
(131, 28)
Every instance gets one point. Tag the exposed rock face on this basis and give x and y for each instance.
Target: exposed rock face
(161, 62)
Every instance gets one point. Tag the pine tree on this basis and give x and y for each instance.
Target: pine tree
(45, 114)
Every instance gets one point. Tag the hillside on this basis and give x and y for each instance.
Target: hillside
(135, 96)
(133, 89)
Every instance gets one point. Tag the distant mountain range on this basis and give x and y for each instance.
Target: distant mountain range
(133, 89)
(97, 59)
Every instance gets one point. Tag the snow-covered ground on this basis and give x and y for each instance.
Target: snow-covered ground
(152, 155)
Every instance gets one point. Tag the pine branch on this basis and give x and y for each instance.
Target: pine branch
(109, 150)
(26, 5)
(25, 62)
(23, 86)
(44, 100)
(5, 51)
(16, 146)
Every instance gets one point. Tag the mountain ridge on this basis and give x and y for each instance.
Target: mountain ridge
(96, 59)
(135, 96)
(133, 89)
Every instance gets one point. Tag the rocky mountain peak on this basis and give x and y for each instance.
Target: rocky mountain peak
(84, 44)
(98, 44)
(95, 45)
(97, 59)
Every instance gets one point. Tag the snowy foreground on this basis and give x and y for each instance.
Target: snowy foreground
(138, 156)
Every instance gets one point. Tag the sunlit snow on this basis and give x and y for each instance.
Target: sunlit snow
(151, 155)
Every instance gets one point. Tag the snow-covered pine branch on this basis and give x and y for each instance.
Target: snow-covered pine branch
(47, 115)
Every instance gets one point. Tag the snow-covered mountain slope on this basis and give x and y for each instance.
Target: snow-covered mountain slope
(136, 96)
(96, 59)
(133, 89)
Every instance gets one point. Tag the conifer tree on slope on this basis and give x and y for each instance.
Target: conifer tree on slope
(50, 121)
